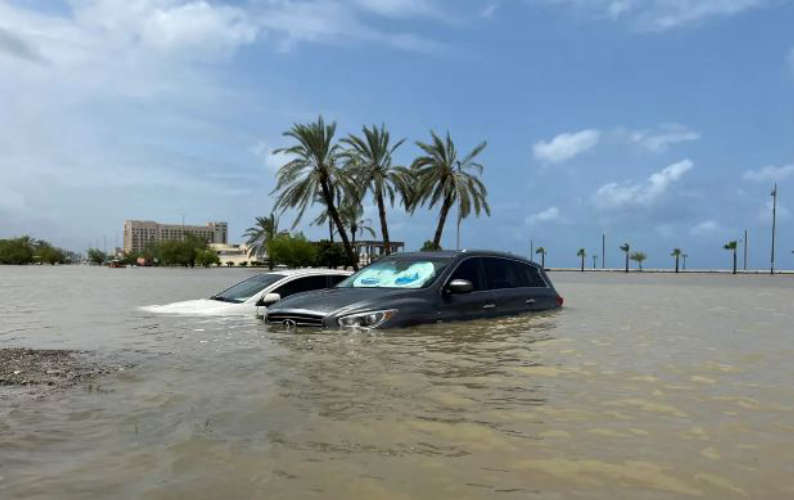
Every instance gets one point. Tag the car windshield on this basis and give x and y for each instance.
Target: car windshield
(396, 273)
(246, 289)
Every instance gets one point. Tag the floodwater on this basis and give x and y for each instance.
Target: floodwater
(642, 387)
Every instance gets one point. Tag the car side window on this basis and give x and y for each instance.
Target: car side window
(334, 279)
(535, 280)
(301, 285)
(503, 273)
(469, 270)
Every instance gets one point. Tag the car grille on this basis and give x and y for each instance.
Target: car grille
(285, 319)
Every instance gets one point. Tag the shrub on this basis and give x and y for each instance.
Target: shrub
(292, 251)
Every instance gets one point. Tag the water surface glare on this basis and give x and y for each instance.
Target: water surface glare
(643, 386)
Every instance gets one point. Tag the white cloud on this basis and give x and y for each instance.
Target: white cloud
(273, 161)
(548, 215)
(661, 15)
(489, 10)
(770, 173)
(661, 138)
(705, 228)
(566, 146)
(638, 194)
(399, 8)
(765, 213)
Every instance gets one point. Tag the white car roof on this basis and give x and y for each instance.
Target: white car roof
(311, 271)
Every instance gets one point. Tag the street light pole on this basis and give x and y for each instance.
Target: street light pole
(603, 250)
(532, 250)
(595, 261)
(774, 220)
(745, 249)
(684, 256)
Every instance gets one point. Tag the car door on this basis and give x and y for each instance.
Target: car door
(541, 295)
(466, 306)
(504, 281)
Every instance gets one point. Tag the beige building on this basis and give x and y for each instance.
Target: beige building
(138, 234)
(236, 254)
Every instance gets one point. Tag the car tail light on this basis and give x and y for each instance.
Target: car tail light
(560, 300)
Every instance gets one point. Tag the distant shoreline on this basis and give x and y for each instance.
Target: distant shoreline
(749, 272)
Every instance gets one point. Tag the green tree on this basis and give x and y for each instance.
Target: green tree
(96, 256)
(16, 251)
(292, 250)
(442, 178)
(313, 173)
(677, 254)
(371, 156)
(264, 230)
(48, 254)
(430, 246)
(731, 245)
(542, 252)
(639, 257)
(627, 249)
(331, 255)
(582, 254)
(352, 214)
(207, 258)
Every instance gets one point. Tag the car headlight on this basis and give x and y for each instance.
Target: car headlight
(369, 319)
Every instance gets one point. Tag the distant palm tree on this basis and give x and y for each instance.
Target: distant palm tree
(639, 257)
(582, 254)
(313, 173)
(542, 252)
(442, 178)
(352, 214)
(371, 157)
(260, 234)
(731, 245)
(626, 248)
(677, 253)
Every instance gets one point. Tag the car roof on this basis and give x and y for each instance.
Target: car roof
(451, 254)
(310, 271)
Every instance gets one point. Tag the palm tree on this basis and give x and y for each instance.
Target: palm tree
(352, 214)
(542, 252)
(371, 156)
(312, 174)
(442, 178)
(581, 253)
(626, 248)
(731, 245)
(639, 257)
(677, 254)
(260, 234)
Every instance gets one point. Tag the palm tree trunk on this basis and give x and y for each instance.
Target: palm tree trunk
(582, 263)
(442, 218)
(734, 261)
(384, 229)
(676, 263)
(543, 260)
(330, 230)
(329, 203)
(627, 262)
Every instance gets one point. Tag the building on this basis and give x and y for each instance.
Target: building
(139, 234)
(234, 254)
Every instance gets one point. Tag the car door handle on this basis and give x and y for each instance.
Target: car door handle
(529, 301)
(489, 306)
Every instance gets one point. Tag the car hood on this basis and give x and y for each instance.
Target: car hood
(329, 301)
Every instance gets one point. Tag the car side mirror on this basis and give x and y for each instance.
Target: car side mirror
(268, 300)
(460, 286)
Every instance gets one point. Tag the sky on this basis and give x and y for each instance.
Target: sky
(662, 123)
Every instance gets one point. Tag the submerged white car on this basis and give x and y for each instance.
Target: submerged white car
(253, 295)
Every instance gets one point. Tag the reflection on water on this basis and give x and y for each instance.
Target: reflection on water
(642, 387)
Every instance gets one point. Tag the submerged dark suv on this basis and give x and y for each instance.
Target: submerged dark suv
(424, 287)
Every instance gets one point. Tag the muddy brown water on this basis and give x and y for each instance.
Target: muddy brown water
(654, 386)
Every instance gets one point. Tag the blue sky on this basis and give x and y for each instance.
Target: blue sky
(663, 123)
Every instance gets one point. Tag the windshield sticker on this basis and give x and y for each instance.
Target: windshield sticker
(414, 276)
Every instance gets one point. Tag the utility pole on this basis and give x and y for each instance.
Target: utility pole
(603, 250)
(684, 256)
(595, 261)
(774, 217)
(532, 250)
(745, 249)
